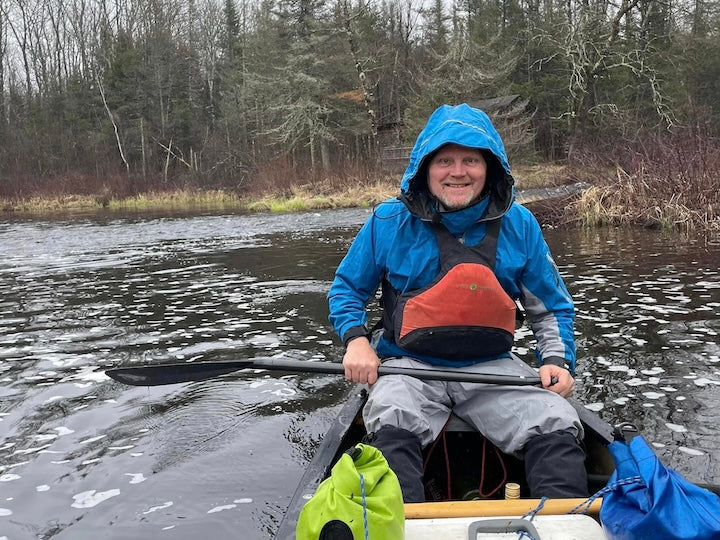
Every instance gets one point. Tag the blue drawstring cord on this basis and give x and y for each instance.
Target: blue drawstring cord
(530, 516)
(584, 506)
(364, 507)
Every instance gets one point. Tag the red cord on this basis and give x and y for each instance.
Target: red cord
(482, 471)
(483, 464)
(447, 467)
(447, 459)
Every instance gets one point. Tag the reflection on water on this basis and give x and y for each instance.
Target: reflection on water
(81, 455)
(648, 324)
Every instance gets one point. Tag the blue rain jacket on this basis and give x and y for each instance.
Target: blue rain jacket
(397, 244)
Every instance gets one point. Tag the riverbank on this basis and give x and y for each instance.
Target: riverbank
(318, 195)
(646, 198)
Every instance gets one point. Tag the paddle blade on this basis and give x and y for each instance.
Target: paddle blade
(172, 373)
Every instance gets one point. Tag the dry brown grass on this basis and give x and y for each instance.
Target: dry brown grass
(633, 201)
(541, 175)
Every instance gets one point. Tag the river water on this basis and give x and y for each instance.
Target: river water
(83, 457)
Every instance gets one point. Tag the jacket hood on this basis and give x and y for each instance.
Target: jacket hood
(465, 126)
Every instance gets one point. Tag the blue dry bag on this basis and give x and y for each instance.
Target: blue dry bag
(659, 504)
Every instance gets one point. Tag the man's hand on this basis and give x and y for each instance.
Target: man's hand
(360, 361)
(565, 382)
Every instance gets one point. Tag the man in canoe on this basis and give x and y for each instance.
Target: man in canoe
(453, 253)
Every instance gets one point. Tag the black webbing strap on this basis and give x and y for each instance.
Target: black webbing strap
(453, 251)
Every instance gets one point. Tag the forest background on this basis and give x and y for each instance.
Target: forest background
(117, 98)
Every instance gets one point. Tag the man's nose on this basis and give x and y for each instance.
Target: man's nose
(458, 168)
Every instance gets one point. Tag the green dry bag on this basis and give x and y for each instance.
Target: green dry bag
(361, 499)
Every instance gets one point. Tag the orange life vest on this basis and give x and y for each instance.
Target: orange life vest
(463, 313)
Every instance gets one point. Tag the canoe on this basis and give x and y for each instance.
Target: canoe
(465, 475)
(459, 500)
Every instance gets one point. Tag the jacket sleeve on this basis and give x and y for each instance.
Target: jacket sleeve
(356, 280)
(548, 305)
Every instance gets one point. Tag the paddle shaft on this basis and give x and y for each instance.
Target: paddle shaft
(198, 371)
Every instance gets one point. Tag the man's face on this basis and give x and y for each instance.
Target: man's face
(456, 176)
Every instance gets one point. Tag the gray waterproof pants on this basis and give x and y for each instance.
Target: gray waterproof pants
(508, 416)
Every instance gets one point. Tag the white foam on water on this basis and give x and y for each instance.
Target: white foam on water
(5, 512)
(691, 451)
(53, 398)
(43, 487)
(93, 439)
(635, 382)
(658, 445)
(282, 392)
(136, 478)
(653, 395)
(668, 388)
(680, 398)
(46, 437)
(618, 368)
(156, 508)
(243, 501)
(88, 499)
(128, 447)
(595, 407)
(702, 382)
(9, 477)
(31, 450)
(168, 527)
(652, 371)
(63, 431)
(89, 461)
(221, 508)
(648, 405)
(676, 428)
(621, 400)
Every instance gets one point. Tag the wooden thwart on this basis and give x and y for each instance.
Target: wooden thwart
(495, 508)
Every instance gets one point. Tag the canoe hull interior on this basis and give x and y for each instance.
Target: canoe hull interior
(461, 465)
